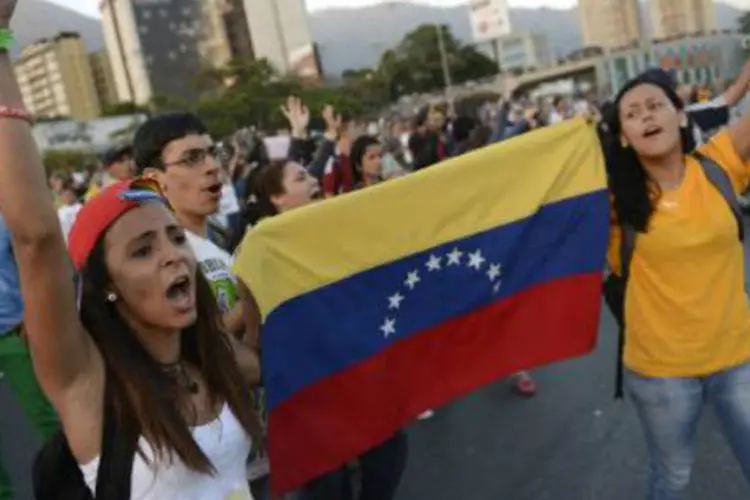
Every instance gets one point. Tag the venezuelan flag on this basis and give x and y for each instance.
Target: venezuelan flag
(382, 303)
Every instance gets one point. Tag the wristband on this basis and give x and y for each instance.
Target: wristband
(15, 113)
(7, 38)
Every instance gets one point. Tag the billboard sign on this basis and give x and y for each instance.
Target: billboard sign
(490, 19)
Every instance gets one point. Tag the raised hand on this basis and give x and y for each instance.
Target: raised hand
(297, 115)
(333, 122)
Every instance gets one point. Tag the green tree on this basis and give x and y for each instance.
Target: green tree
(744, 23)
(415, 65)
(123, 108)
(66, 160)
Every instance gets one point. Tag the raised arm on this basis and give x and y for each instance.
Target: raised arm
(61, 349)
(740, 132)
(739, 88)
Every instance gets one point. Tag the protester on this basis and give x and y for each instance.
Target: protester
(15, 362)
(282, 187)
(69, 206)
(560, 110)
(427, 144)
(145, 345)
(117, 165)
(686, 315)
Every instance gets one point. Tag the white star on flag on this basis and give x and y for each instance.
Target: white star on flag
(434, 263)
(394, 301)
(496, 287)
(476, 260)
(389, 327)
(454, 258)
(495, 271)
(412, 279)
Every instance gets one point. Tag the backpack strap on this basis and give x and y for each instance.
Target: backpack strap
(721, 181)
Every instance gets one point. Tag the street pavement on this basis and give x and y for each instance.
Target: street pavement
(571, 442)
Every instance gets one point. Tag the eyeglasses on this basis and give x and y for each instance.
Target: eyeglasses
(195, 157)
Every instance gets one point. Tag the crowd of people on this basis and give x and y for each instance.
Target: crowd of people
(134, 349)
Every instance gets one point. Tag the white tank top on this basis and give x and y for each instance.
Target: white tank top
(225, 443)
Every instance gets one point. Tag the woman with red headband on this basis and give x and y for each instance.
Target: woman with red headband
(146, 345)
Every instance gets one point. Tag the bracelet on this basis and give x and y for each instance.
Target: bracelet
(15, 113)
(7, 38)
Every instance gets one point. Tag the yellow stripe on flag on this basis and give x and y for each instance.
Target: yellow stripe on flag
(311, 247)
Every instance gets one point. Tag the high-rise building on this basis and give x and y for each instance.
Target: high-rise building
(159, 48)
(672, 18)
(56, 80)
(610, 23)
(280, 32)
(104, 79)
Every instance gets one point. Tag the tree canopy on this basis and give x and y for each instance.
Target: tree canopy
(251, 92)
(415, 65)
(744, 22)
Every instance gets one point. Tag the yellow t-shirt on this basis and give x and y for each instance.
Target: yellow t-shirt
(686, 311)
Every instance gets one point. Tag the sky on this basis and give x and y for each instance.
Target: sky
(90, 6)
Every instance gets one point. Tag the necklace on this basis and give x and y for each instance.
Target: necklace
(180, 374)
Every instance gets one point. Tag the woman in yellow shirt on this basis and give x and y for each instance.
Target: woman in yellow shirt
(687, 319)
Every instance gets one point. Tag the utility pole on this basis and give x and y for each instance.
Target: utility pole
(444, 61)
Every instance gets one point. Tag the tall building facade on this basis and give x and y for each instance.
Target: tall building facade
(522, 50)
(159, 48)
(56, 80)
(280, 32)
(610, 23)
(104, 79)
(674, 18)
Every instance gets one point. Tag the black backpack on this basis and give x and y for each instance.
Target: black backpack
(615, 286)
(56, 474)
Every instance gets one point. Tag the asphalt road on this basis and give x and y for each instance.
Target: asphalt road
(571, 442)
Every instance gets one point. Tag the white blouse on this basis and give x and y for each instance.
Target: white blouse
(225, 443)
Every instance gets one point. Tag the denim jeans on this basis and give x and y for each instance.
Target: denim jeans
(669, 410)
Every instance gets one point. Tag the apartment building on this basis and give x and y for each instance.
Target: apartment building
(675, 18)
(56, 80)
(610, 23)
(159, 48)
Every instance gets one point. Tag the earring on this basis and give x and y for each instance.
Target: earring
(111, 297)
(624, 143)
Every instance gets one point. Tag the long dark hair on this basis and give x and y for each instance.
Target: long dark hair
(635, 194)
(262, 184)
(147, 401)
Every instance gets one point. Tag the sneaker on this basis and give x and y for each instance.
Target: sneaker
(426, 415)
(524, 385)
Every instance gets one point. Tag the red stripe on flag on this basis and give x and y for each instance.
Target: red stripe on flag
(331, 422)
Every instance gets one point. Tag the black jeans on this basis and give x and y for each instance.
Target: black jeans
(381, 469)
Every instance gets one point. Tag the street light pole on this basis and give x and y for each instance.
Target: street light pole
(444, 60)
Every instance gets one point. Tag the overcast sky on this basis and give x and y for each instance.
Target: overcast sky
(91, 6)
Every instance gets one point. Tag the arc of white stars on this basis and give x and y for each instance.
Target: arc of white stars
(454, 258)
(434, 263)
(476, 260)
(394, 301)
(388, 327)
(494, 272)
(412, 279)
